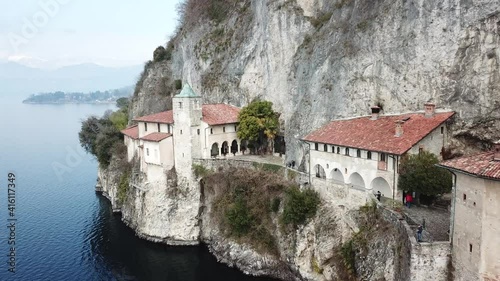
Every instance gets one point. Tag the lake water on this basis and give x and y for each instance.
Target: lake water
(64, 230)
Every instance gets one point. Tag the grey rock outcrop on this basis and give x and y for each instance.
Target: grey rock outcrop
(320, 60)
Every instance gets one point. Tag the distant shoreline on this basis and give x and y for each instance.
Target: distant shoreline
(68, 102)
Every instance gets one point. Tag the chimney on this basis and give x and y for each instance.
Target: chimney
(430, 109)
(496, 149)
(399, 128)
(375, 112)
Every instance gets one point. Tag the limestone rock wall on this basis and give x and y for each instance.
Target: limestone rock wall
(317, 60)
(162, 210)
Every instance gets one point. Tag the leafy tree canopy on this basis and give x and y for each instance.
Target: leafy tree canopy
(122, 103)
(99, 136)
(258, 121)
(418, 173)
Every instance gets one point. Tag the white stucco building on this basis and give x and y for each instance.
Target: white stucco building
(190, 130)
(475, 222)
(365, 152)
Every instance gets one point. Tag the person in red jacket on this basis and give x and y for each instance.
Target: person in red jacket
(409, 199)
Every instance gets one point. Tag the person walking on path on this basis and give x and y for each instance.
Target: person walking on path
(409, 198)
(419, 233)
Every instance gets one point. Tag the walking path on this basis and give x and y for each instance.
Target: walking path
(435, 220)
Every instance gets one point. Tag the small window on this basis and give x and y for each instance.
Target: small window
(338, 150)
(198, 131)
(470, 248)
(327, 166)
(465, 197)
(181, 132)
(147, 151)
(358, 153)
(211, 131)
(180, 105)
(146, 127)
(420, 149)
(325, 147)
(158, 127)
(333, 149)
(346, 171)
(223, 129)
(369, 155)
(442, 130)
(235, 128)
(315, 146)
(382, 157)
(168, 128)
(347, 151)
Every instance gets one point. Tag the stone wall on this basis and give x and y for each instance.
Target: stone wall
(225, 164)
(419, 261)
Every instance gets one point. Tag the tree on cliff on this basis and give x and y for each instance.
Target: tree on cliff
(259, 124)
(99, 137)
(419, 174)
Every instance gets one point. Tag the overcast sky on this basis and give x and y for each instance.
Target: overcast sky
(52, 33)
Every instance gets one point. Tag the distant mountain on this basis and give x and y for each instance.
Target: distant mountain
(17, 79)
(59, 97)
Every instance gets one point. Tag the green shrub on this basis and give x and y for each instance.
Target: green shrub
(218, 10)
(299, 206)
(238, 218)
(342, 3)
(119, 119)
(123, 188)
(271, 167)
(200, 170)
(178, 84)
(275, 205)
(315, 266)
(244, 203)
(362, 25)
(321, 20)
(348, 255)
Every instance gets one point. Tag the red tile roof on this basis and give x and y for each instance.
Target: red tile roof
(481, 165)
(213, 114)
(132, 131)
(379, 135)
(218, 114)
(156, 137)
(166, 117)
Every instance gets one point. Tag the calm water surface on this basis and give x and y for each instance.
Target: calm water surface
(64, 230)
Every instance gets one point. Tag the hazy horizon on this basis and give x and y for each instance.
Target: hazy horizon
(50, 34)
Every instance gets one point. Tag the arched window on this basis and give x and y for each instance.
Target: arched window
(333, 149)
(325, 147)
(316, 146)
(358, 153)
(347, 151)
(369, 155)
(382, 157)
(338, 150)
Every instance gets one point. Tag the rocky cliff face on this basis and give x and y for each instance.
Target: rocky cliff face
(317, 60)
(322, 249)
